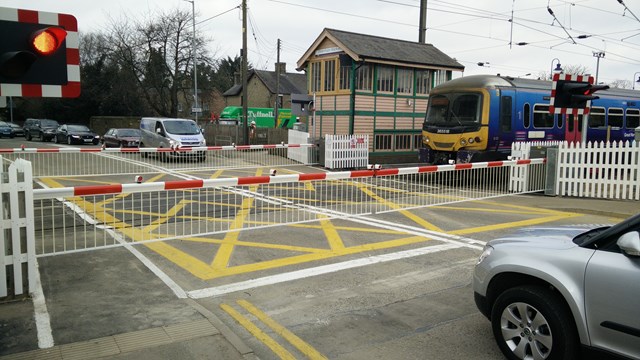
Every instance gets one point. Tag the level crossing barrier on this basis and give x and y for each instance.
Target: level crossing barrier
(61, 162)
(82, 218)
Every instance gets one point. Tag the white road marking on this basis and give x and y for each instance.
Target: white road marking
(320, 270)
(41, 314)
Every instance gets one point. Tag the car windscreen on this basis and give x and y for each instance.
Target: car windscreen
(78, 128)
(49, 123)
(129, 133)
(181, 127)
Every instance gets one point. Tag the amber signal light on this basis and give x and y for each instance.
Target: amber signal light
(47, 41)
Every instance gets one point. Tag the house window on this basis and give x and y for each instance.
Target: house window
(385, 78)
(633, 118)
(364, 78)
(423, 81)
(541, 117)
(316, 76)
(330, 75)
(345, 77)
(405, 81)
(596, 117)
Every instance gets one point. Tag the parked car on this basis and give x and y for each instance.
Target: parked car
(16, 129)
(552, 292)
(44, 129)
(5, 129)
(121, 138)
(76, 134)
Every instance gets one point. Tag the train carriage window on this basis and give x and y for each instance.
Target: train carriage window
(597, 118)
(633, 118)
(505, 113)
(615, 117)
(526, 121)
(541, 117)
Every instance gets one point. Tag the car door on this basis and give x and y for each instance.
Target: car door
(612, 294)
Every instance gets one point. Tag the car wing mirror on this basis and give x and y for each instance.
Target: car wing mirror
(629, 243)
(159, 131)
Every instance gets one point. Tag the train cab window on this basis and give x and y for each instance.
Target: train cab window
(597, 118)
(541, 117)
(633, 118)
(526, 120)
(615, 117)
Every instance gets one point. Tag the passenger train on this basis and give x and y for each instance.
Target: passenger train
(477, 118)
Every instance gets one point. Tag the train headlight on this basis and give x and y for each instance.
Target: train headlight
(470, 140)
(477, 139)
(463, 142)
(426, 140)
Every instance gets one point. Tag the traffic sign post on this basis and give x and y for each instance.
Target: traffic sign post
(40, 57)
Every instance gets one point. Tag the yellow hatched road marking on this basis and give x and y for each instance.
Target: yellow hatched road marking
(278, 349)
(308, 350)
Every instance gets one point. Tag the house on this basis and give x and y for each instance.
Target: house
(373, 85)
(262, 87)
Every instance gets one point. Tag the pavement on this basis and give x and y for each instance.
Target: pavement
(141, 318)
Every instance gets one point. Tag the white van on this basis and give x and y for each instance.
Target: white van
(172, 133)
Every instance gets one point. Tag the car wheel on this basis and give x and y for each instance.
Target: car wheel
(532, 322)
(28, 137)
(55, 139)
(69, 140)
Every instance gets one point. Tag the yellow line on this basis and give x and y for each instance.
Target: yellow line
(514, 224)
(223, 255)
(334, 239)
(417, 219)
(278, 349)
(292, 338)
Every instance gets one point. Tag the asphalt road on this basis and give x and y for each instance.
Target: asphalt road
(394, 285)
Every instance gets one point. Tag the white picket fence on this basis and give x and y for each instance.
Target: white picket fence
(17, 245)
(595, 170)
(346, 151)
(599, 170)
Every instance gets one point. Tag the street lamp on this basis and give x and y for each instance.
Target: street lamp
(557, 69)
(195, 60)
(598, 54)
(634, 80)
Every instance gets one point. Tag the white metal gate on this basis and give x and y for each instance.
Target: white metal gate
(346, 151)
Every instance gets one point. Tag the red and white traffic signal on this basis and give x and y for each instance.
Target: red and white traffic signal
(39, 54)
(572, 94)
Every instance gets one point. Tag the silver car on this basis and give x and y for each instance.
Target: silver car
(561, 292)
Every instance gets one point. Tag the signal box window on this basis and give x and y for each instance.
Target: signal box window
(405, 81)
(316, 76)
(541, 117)
(616, 118)
(597, 118)
(330, 75)
(423, 82)
(403, 142)
(633, 118)
(364, 80)
(345, 77)
(385, 78)
(383, 142)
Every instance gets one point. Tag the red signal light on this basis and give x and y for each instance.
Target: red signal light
(47, 41)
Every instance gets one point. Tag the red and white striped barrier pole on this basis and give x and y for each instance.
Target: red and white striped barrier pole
(90, 190)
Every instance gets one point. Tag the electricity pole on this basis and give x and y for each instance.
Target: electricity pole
(422, 31)
(245, 92)
(277, 106)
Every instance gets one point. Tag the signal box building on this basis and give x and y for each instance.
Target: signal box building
(373, 85)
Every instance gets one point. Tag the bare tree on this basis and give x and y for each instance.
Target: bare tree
(621, 84)
(567, 69)
(158, 52)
